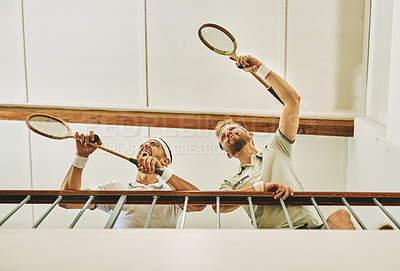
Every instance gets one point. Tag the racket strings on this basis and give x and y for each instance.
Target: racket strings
(218, 39)
(49, 126)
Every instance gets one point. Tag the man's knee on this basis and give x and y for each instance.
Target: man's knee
(340, 220)
(341, 214)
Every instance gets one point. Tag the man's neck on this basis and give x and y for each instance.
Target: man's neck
(146, 179)
(245, 154)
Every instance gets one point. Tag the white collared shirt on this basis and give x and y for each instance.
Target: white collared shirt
(134, 216)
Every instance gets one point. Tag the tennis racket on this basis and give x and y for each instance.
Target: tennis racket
(56, 128)
(220, 41)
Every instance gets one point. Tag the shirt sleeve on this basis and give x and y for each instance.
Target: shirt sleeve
(226, 186)
(280, 142)
(113, 185)
(106, 186)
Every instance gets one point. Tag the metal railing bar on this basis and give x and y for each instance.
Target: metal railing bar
(386, 213)
(184, 212)
(151, 211)
(117, 210)
(320, 213)
(198, 197)
(253, 217)
(40, 220)
(13, 211)
(286, 213)
(354, 214)
(218, 214)
(91, 198)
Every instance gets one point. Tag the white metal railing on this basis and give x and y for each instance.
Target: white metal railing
(122, 197)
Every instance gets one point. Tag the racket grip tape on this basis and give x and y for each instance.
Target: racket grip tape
(96, 139)
(158, 170)
(268, 86)
(272, 91)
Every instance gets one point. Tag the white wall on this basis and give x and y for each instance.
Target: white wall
(12, 67)
(325, 55)
(146, 54)
(180, 66)
(373, 166)
(379, 60)
(374, 152)
(393, 130)
(15, 169)
(236, 250)
(85, 52)
(373, 160)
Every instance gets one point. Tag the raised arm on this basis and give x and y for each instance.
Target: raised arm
(289, 120)
(73, 179)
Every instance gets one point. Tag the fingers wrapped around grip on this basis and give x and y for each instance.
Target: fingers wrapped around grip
(148, 164)
(247, 63)
(83, 147)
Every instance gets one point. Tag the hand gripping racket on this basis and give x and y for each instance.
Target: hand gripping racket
(220, 41)
(55, 128)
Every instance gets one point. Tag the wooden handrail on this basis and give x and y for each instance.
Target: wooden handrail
(198, 197)
(309, 126)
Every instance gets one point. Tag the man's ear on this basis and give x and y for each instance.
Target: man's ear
(229, 155)
(251, 135)
(165, 161)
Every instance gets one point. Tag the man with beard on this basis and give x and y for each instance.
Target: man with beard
(154, 152)
(271, 168)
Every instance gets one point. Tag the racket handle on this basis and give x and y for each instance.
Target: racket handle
(272, 91)
(96, 139)
(268, 86)
(109, 151)
(158, 170)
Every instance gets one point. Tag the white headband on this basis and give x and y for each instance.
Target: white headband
(164, 145)
(229, 125)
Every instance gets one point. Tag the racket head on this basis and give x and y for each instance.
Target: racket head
(218, 39)
(49, 126)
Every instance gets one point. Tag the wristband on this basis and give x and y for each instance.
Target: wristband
(79, 161)
(167, 174)
(259, 186)
(264, 70)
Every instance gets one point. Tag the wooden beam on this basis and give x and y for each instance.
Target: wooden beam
(308, 126)
(198, 197)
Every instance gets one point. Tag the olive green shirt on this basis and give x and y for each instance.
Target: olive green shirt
(272, 164)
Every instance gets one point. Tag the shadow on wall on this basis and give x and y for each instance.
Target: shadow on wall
(349, 34)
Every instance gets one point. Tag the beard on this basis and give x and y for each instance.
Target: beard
(238, 145)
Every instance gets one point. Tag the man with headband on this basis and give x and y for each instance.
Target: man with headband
(154, 152)
(271, 168)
